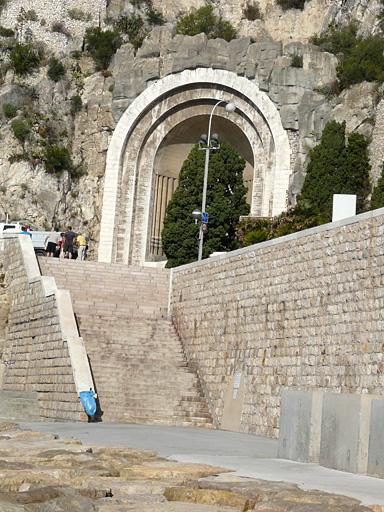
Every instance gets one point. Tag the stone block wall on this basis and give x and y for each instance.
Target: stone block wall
(36, 357)
(304, 311)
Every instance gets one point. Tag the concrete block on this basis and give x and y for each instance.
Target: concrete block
(300, 425)
(345, 432)
(376, 439)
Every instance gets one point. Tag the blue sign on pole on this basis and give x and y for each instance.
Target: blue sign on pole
(204, 218)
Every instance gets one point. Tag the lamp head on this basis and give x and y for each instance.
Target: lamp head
(215, 141)
(230, 107)
(196, 214)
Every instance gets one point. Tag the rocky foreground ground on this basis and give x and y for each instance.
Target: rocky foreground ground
(43, 473)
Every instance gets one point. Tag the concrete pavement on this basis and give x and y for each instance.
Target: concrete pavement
(247, 455)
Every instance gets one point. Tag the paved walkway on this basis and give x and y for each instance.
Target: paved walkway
(249, 456)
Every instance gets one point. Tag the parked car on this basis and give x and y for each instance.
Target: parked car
(38, 237)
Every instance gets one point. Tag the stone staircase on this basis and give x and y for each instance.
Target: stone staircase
(19, 405)
(137, 360)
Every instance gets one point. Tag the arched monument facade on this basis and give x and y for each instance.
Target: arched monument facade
(153, 138)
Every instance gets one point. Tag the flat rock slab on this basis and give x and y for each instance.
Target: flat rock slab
(44, 473)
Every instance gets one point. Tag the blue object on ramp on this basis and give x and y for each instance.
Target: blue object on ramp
(88, 401)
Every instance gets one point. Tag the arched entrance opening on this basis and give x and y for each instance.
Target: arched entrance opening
(172, 152)
(155, 134)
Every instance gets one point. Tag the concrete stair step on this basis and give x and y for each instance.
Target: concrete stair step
(19, 405)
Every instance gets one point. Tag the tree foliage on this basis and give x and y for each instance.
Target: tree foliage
(56, 69)
(291, 4)
(361, 59)
(204, 20)
(134, 27)
(335, 167)
(21, 129)
(338, 165)
(225, 203)
(102, 45)
(377, 199)
(57, 159)
(24, 58)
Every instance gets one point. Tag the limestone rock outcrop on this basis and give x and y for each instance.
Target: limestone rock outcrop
(264, 56)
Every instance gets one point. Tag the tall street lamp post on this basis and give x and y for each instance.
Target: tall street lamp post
(229, 107)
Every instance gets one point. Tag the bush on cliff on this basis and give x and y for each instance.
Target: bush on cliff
(225, 203)
(134, 27)
(57, 159)
(21, 129)
(24, 58)
(204, 20)
(102, 45)
(56, 70)
(336, 166)
(377, 199)
(291, 4)
(361, 59)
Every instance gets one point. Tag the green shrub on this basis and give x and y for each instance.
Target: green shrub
(225, 204)
(59, 28)
(3, 3)
(154, 17)
(24, 58)
(9, 110)
(255, 230)
(102, 45)
(76, 104)
(252, 12)
(364, 63)
(19, 157)
(361, 59)
(204, 20)
(133, 26)
(6, 32)
(21, 129)
(337, 41)
(79, 15)
(291, 4)
(56, 69)
(57, 159)
(335, 167)
(377, 199)
(31, 15)
(330, 90)
(297, 61)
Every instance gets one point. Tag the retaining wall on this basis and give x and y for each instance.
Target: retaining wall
(304, 311)
(43, 352)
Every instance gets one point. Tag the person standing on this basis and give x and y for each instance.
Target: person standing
(81, 243)
(69, 237)
(51, 243)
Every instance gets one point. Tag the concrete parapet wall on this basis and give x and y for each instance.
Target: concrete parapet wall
(42, 339)
(338, 430)
(304, 311)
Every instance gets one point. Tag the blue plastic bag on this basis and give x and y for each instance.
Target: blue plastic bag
(88, 401)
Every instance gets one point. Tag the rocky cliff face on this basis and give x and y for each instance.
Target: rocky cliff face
(263, 55)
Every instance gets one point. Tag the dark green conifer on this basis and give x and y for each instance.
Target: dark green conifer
(225, 203)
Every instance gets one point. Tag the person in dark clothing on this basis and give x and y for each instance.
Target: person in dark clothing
(69, 237)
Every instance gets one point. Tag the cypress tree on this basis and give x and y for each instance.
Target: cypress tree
(335, 167)
(225, 203)
(377, 199)
(325, 165)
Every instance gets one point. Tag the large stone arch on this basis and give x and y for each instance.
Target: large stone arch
(129, 176)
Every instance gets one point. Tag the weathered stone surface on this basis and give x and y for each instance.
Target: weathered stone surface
(209, 497)
(52, 487)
